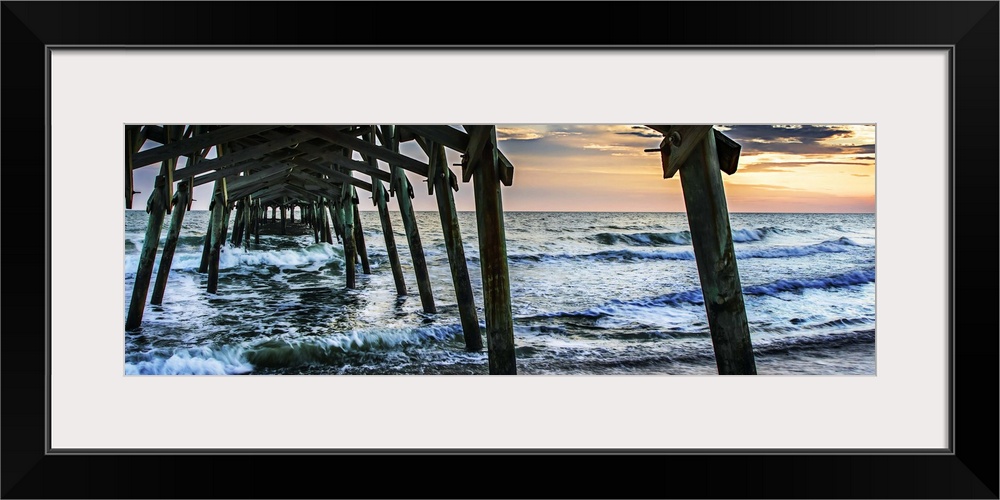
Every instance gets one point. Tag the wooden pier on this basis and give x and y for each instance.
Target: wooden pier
(264, 174)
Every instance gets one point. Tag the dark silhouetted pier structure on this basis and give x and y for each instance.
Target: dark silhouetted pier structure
(262, 173)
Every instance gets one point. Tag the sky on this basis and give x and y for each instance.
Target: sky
(603, 168)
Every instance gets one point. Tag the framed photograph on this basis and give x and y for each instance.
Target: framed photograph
(868, 341)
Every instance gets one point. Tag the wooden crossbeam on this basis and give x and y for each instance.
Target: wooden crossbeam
(333, 135)
(333, 173)
(266, 163)
(340, 160)
(453, 138)
(273, 172)
(309, 180)
(196, 143)
(241, 156)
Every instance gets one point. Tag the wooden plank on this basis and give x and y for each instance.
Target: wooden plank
(156, 134)
(678, 143)
(729, 152)
(339, 160)
(672, 156)
(386, 155)
(493, 257)
(333, 173)
(403, 198)
(456, 255)
(459, 141)
(712, 239)
(173, 233)
(238, 183)
(156, 206)
(267, 163)
(196, 143)
(240, 156)
(129, 180)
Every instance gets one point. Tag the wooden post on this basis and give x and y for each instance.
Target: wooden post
(359, 239)
(218, 236)
(404, 194)
(493, 253)
(346, 212)
(283, 220)
(225, 223)
(380, 195)
(207, 247)
(390, 239)
(166, 258)
(291, 214)
(456, 253)
(712, 239)
(156, 206)
(336, 220)
(248, 214)
(238, 224)
(315, 223)
(256, 224)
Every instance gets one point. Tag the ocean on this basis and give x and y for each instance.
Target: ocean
(592, 294)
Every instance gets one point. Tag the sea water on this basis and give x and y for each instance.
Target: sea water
(591, 293)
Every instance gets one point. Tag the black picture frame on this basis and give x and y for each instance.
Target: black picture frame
(968, 470)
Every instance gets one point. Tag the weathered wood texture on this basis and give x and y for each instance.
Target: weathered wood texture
(390, 239)
(218, 237)
(173, 233)
(404, 193)
(196, 143)
(456, 252)
(346, 213)
(156, 206)
(493, 252)
(359, 240)
(712, 239)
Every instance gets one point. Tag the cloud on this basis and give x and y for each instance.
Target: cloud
(518, 134)
(798, 139)
(608, 147)
(785, 166)
(640, 131)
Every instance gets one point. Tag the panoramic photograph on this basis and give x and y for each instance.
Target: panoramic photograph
(529, 249)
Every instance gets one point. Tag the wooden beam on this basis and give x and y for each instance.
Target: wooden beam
(180, 201)
(333, 173)
(712, 239)
(156, 134)
(234, 171)
(196, 143)
(455, 139)
(234, 158)
(345, 213)
(403, 198)
(456, 252)
(493, 255)
(240, 182)
(389, 156)
(339, 160)
(380, 195)
(156, 206)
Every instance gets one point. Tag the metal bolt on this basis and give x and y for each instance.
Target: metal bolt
(675, 139)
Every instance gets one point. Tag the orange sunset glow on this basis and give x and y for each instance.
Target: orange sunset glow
(603, 168)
